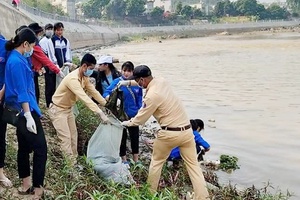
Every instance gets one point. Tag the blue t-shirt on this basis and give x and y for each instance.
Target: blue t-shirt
(104, 82)
(3, 58)
(132, 96)
(175, 153)
(19, 84)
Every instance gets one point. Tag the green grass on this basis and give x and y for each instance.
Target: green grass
(68, 183)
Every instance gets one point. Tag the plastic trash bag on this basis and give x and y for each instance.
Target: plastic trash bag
(103, 151)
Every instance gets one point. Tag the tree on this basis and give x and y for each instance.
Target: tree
(247, 7)
(94, 8)
(187, 12)
(294, 5)
(157, 13)
(197, 13)
(276, 12)
(115, 9)
(178, 8)
(224, 8)
(229, 8)
(135, 8)
(262, 13)
(219, 9)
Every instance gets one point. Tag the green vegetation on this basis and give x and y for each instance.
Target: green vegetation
(228, 163)
(63, 181)
(133, 11)
(250, 8)
(45, 6)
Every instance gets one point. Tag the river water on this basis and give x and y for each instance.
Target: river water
(250, 85)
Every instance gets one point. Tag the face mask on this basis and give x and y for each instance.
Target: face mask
(49, 33)
(88, 72)
(27, 54)
(141, 86)
(39, 37)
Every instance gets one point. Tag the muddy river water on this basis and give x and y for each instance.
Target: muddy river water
(250, 85)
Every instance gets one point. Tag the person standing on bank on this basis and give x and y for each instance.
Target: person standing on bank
(62, 49)
(161, 102)
(106, 73)
(50, 77)
(70, 90)
(39, 59)
(3, 57)
(20, 95)
(133, 96)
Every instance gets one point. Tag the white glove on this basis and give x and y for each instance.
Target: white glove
(103, 117)
(125, 123)
(61, 74)
(68, 64)
(125, 83)
(30, 124)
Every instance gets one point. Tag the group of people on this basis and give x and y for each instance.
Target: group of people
(21, 60)
(34, 48)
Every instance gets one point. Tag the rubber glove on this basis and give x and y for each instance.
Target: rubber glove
(125, 123)
(30, 124)
(123, 83)
(61, 74)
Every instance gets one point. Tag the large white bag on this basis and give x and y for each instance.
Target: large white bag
(103, 151)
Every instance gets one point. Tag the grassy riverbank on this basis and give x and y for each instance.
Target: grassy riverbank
(68, 183)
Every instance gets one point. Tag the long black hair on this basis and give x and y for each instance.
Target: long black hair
(128, 65)
(102, 77)
(24, 35)
(197, 123)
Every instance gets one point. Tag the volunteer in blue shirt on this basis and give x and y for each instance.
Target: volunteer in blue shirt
(197, 126)
(3, 56)
(20, 95)
(132, 96)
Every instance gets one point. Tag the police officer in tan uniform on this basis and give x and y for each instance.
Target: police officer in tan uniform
(161, 102)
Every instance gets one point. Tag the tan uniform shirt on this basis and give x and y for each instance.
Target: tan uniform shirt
(161, 102)
(72, 89)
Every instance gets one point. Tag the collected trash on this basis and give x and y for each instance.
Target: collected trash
(103, 152)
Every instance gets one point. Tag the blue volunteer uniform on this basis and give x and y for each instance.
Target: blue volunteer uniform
(15, 94)
(133, 96)
(3, 57)
(175, 153)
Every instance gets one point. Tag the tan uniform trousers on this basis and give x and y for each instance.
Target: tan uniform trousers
(64, 123)
(162, 146)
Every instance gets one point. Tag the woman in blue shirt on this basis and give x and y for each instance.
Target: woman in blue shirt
(3, 56)
(197, 126)
(20, 95)
(132, 96)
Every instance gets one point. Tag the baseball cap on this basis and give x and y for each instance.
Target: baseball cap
(140, 72)
(48, 26)
(105, 59)
(35, 27)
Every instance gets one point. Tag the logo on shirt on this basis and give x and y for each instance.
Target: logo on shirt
(2, 59)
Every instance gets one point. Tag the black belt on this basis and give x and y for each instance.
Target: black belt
(176, 128)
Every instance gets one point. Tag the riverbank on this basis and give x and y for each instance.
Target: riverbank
(160, 37)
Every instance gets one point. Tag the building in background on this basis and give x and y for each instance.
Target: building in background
(68, 6)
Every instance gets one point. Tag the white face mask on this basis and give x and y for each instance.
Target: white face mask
(49, 33)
